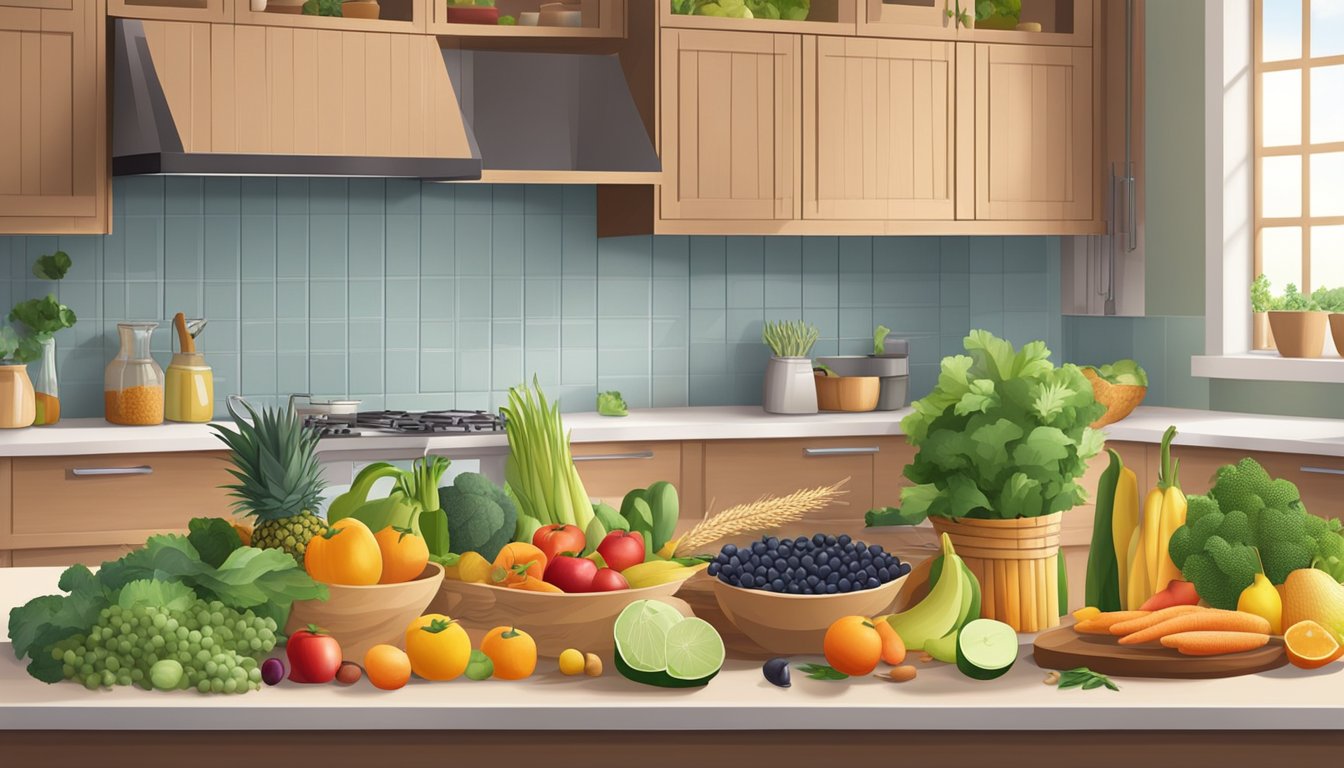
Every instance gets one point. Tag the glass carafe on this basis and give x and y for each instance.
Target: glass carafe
(44, 385)
(133, 382)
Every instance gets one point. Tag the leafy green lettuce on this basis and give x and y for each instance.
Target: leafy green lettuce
(1004, 434)
(611, 404)
(1124, 372)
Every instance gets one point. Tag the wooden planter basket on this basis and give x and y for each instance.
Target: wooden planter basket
(1017, 563)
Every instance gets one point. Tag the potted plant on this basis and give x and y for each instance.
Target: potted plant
(322, 7)
(360, 9)
(789, 384)
(1002, 441)
(472, 12)
(889, 363)
(1262, 301)
(1298, 324)
(1331, 301)
(41, 319)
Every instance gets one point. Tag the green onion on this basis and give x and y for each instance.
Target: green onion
(540, 469)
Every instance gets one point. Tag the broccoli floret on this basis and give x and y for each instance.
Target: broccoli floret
(1210, 583)
(1235, 485)
(481, 517)
(1280, 494)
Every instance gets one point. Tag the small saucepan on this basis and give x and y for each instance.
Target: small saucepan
(307, 405)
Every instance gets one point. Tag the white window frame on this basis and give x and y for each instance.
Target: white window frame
(1229, 213)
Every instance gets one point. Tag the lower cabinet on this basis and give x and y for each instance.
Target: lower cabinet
(66, 509)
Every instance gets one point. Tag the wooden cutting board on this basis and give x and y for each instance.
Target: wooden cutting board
(1063, 648)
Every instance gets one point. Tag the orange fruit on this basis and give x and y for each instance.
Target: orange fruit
(1310, 646)
(853, 645)
(893, 647)
(513, 652)
(387, 666)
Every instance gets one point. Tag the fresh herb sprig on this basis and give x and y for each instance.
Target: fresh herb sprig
(822, 672)
(1086, 679)
(790, 338)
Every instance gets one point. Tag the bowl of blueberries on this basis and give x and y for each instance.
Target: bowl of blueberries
(784, 593)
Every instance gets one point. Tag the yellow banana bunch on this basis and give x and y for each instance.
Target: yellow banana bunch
(655, 572)
(1151, 567)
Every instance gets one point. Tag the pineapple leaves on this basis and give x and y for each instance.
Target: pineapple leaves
(275, 463)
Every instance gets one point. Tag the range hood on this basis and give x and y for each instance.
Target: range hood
(550, 112)
(203, 99)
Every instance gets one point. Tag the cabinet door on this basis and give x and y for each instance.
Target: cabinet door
(173, 10)
(611, 470)
(53, 117)
(1033, 132)
(742, 471)
(878, 137)
(730, 125)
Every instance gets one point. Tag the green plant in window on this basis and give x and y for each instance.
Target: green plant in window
(1294, 300)
(322, 7)
(1262, 300)
(1329, 299)
(997, 14)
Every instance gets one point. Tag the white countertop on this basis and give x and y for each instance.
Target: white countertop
(1214, 429)
(738, 699)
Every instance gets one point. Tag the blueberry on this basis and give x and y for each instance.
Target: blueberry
(755, 560)
(730, 549)
(833, 578)
(813, 581)
(764, 586)
(871, 570)
(777, 585)
(872, 583)
(800, 574)
(776, 671)
(831, 589)
(760, 572)
(905, 568)
(758, 547)
(824, 571)
(842, 538)
(713, 569)
(808, 561)
(748, 581)
(876, 549)
(772, 543)
(793, 561)
(883, 574)
(819, 539)
(830, 541)
(735, 580)
(844, 585)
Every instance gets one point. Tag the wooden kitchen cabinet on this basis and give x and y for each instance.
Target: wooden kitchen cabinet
(53, 117)
(173, 10)
(730, 124)
(1319, 479)
(65, 505)
(878, 137)
(742, 471)
(1031, 145)
(1063, 22)
(611, 470)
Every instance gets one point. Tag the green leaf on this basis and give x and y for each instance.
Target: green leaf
(963, 497)
(214, 538)
(1052, 400)
(173, 595)
(880, 339)
(53, 266)
(37, 625)
(1021, 497)
(822, 672)
(979, 398)
(611, 404)
(1043, 447)
(1124, 372)
(875, 518)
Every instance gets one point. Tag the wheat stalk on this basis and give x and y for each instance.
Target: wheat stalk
(763, 514)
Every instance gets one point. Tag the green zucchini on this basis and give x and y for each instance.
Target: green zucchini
(1102, 589)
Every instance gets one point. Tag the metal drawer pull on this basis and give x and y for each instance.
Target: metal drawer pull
(840, 451)
(1321, 471)
(616, 456)
(105, 471)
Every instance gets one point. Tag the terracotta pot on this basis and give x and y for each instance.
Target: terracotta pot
(18, 407)
(848, 393)
(362, 617)
(555, 621)
(472, 14)
(1017, 564)
(796, 624)
(1262, 336)
(1337, 331)
(1299, 334)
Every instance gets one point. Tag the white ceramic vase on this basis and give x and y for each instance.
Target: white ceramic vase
(789, 386)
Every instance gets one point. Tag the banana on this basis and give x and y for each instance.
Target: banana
(656, 572)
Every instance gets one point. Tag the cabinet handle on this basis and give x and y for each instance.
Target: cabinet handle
(1321, 471)
(858, 451)
(616, 456)
(105, 471)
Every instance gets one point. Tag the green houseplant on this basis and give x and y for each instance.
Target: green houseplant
(36, 322)
(1298, 324)
(1001, 443)
(1262, 301)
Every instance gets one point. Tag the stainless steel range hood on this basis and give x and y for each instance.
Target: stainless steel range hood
(216, 99)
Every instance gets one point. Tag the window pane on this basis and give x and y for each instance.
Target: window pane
(1327, 184)
(1281, 187)
(1327, 103)
(1281, 256)
(1327, 256)
(1327, 27)
(1281, 108)
(1282, 28)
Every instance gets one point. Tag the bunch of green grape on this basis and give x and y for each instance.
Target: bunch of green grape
(209, 647)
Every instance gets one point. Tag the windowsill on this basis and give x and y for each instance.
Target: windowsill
(1268, 366)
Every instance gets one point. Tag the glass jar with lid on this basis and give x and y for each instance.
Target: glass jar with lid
(133, 381)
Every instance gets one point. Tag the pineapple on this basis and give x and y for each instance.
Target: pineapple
(279, 480)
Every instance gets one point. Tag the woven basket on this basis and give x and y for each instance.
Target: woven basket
(1017, 563)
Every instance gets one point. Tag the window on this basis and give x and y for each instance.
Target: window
(1298, 68)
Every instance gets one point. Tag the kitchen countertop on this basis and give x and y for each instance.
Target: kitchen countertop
(738, 699)
(1214, 429)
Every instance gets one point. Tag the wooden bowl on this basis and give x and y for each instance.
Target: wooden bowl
(362, 617)
(848, 393)
(473, 14)
(555, 621)
(1120, 399)
(796, 624)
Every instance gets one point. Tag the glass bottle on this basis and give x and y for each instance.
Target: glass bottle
(45, 391)
(133, 382)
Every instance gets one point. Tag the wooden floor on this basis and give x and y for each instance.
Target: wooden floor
(670, 749)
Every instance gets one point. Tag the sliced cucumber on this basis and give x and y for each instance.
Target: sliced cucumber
(986, 649)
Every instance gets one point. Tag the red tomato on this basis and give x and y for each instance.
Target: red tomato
(571, 574)
(558, 539)
(608, 580)
(622, 549)
(314, 656)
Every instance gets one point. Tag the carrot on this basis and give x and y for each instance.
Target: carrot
(1214, 643)
(1101, 623)
(1199, 621)
(532, 584)
(516, 560)
(1152, 619)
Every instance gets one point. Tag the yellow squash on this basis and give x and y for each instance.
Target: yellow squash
(1151, 568)
(1124, 521)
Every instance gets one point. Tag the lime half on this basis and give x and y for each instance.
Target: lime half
(694, 650)
(641, 634)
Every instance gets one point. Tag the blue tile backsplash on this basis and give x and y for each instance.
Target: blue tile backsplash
(411, 295)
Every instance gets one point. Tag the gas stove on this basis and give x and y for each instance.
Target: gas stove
(373, 423)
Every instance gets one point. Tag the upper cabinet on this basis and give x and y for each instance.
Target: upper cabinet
(53, 117)
(878, 142)
(1034, 132)
(730, 125)
(1040, 22)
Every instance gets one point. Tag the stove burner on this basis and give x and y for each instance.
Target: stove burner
(405, 422)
